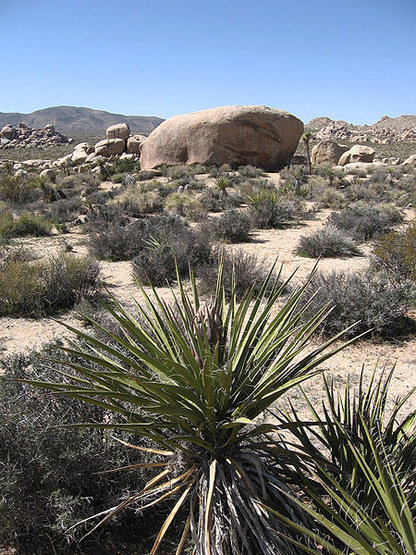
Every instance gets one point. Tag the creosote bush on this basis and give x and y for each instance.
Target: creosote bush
(22, 225)
(46, 286)
(364, 220)
(269, 209)
(395, 253)
(233, 226)
(19, 189)
(328, 242)
(169, 246)
(371, 300)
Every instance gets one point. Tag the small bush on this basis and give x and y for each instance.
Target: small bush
(182, 204)
(249, 272)
(19, 190)
(328, 242)
(116, 240)
(25, 224)
(65, 210)
(372, 300)
(268, 209)
(364, 220)
(167, 240)
(137, 202)
(118, 166)
(395, 253)
(233, 226)
(45, 287)
(250, 171)
(50, 476)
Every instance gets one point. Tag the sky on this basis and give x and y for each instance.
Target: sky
(353, 60)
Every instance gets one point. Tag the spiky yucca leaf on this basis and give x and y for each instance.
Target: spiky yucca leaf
(194, 379)
(351, 524)
(351, 414)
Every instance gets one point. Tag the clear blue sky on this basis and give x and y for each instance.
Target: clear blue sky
(352, 60)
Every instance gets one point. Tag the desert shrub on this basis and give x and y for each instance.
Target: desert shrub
(326, 196)
(233, 226)
(117, 178)
(22, 225)
(249, 271)
(65, 210)
(19, 189)
(328, 242)
(371, 299)
(364, 220)
(182, 172)
(50, 476)
(170, 241)
(47, 286)
(395, 253)
(183, 204)
(118, 166)
(137, 202)
(268, 209)
(115, 240)
(250, 171)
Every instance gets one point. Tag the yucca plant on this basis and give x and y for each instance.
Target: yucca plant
(357, 416)
(195, 379)
(350, 525)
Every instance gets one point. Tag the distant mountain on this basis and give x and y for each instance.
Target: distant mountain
(73, 121)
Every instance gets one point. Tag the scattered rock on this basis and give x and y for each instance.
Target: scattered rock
(234, 135)
(48, 174)
(411, 161)
(358, 153)
(327, 152)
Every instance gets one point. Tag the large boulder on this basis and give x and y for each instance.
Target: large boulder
(8, 132)
(235, 135)
(134, 144)
(108, 147)
(327, 152)
(118, 131)
(358, 153)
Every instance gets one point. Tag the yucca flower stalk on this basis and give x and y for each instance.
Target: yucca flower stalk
(195, 379)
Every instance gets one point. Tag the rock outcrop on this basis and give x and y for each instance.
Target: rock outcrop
(235, 135)
(327, 152)
(25, 137)
(358, 153)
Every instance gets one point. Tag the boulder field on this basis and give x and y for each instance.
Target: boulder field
(234, 135)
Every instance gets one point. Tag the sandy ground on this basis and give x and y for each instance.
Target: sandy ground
(17, 334)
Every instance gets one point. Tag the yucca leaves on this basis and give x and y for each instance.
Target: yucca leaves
(194, 378)
(391, 531)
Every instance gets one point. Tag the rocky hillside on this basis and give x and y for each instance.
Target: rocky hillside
(73, 121)
(386, 130)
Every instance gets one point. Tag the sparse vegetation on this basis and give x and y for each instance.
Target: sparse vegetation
(395, 253)
(328, 242)
(22, 225)
(369, 300)
(364, 221)
(46, 286)
(233, 226)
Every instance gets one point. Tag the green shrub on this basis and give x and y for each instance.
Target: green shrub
(116, 240)
(169, 241)
(51, 476)
(118, 166)
(233, 226)
(364, 220)
(250, 171)
(22, 225)
(137, 202)
(370, 300)
(65, 210)
(328, 242)
(247, 270)
(19, 189)
(46, 287)
(395, 253)
(268, 209)
(183, 204)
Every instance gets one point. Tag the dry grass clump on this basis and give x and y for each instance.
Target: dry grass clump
(47, 286)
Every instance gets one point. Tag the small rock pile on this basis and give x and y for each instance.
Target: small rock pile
(118, 142)
(381, 132)
(24, 137)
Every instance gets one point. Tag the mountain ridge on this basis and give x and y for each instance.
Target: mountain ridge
(78, 120)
